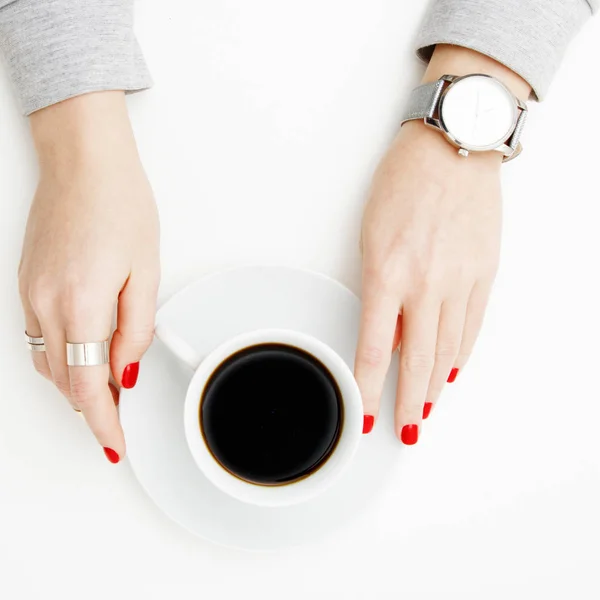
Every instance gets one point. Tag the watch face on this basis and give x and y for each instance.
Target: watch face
(478, 112)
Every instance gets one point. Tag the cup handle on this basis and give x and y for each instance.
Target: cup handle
(178, 346)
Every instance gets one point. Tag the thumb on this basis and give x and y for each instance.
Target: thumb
(135, 329)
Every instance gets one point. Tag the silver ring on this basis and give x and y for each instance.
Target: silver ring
(34, 341)
(35, 344)
(89, 354)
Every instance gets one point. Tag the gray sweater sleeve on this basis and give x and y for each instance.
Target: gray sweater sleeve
(528, 36)
(57, 49)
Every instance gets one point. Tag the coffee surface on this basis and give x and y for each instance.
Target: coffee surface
(271, 414)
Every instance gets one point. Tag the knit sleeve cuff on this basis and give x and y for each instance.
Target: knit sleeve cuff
(57, 49)
(529, 37)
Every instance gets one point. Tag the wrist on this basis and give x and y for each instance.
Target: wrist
(86, 130)
(456, 60)
(429, 143)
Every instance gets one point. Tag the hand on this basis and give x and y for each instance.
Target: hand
(431, 235)
(431, 240)
(92, 238)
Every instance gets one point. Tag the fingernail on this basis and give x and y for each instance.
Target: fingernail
(452, 375)
(130, 375)
(112, 456)
(368, 422)
(427, 409)
(410, 434)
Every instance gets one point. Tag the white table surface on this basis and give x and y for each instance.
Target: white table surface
(260, 138)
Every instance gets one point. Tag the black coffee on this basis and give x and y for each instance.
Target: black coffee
(271, 414)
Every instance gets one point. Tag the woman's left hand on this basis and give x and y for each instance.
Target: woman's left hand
(431, 239)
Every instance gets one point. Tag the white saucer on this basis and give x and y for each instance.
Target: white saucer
(206, 314)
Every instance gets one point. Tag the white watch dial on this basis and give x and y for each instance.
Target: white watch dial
(478, 112)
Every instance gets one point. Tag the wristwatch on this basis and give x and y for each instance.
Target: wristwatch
(475, 113)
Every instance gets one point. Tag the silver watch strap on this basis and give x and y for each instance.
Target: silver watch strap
(514, 141)
(423, 101)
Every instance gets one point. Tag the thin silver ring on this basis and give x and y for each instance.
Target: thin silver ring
(36, 347)
(88, 354)
(35, 344)
(34, 341)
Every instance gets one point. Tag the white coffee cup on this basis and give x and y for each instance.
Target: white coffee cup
(262, 495)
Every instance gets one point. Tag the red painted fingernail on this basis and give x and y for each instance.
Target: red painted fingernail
(130, 375)
(368, 422)
(427, 409)
(112, 456)
(410, 434)
(452, 375)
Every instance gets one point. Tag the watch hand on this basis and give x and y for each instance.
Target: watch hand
(476, 120)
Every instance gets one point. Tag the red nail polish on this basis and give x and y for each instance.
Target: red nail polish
(368, 422)
(130, 375)
(112, 456)
(427, 409)
(410, 434)
(452, 375)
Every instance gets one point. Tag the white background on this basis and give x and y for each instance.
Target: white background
(260, 138)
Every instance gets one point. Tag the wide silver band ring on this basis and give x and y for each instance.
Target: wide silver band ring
(35, 344)
(89, 354)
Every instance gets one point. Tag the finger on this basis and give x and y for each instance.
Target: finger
(33, 328)
(417, 356)
(378, 322)
(397, 334)
(114, 393)
(92, 396)
(54, 341)
(56, 353)
(90, 391)
(135, 329)
(475, 314)
(450, 329)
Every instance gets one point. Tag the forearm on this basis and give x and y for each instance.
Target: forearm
(91, 129)
(455, 60)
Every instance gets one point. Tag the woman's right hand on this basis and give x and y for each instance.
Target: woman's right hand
(92, 239)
